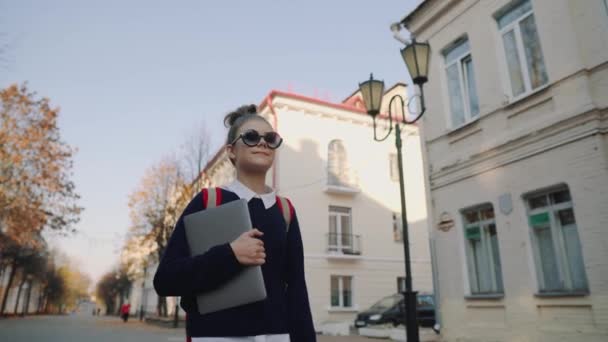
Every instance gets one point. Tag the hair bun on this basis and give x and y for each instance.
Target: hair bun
(231, 118)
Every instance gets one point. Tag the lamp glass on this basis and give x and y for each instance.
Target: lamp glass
(416, 58)
(372, 91)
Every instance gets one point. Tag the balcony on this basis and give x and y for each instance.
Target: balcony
(343, 246)
(343, 183)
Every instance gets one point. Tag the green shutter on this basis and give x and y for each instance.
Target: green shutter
(473, 233)
(539, 219)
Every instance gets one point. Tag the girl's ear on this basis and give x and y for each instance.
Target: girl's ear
(230, 151)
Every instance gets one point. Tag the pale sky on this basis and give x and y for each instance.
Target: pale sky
(132, 79)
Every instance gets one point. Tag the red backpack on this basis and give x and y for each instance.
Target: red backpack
(212, 197)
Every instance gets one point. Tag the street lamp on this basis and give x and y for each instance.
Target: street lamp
(416, 58)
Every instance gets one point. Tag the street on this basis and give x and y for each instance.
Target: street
(87, 328)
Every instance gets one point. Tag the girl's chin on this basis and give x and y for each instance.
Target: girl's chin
(257, 167)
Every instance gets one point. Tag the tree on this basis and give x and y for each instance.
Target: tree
(154, 209)
(194, 156)
(55, 291)
(113, 285)
(32, 266)
(16, 257)
(36, 190)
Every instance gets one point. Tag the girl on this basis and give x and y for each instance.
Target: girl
(285, 314)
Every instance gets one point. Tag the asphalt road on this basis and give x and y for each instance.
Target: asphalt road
(83, 327)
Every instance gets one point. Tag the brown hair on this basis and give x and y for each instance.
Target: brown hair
(237, 118)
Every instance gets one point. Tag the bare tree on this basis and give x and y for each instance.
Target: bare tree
(155, 207)
(195, 154)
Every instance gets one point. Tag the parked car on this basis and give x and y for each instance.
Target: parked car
(391, 310)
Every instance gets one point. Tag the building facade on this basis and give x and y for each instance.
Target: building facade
(516, 163)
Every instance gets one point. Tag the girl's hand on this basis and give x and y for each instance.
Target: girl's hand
(249, 249)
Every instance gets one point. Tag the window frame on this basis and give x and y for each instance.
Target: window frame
(463, 82)
(557, 240)
(340, 247)
(472, 271)
(341, 164)
(341, 292)
(515, 26)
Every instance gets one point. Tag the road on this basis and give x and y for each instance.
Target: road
(84, 327)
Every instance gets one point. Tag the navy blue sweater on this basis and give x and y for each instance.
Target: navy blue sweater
(286, 310)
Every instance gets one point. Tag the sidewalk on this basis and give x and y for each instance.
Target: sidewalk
(166, 324)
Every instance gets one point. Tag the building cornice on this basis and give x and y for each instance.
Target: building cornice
(589, 122)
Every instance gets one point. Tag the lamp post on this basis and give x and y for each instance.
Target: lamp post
(416, 57)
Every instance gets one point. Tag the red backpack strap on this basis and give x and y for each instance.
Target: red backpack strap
(286, 209)
(212, 197)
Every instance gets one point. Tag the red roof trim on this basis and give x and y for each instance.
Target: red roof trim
(274, 93)
(342, 106)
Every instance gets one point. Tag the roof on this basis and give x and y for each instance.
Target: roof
(275, 93)
(408, 18)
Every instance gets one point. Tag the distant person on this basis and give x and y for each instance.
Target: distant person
(274, 244)
(124, 311)
(98, 311)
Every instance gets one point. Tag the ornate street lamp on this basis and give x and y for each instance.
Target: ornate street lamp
(416, 58)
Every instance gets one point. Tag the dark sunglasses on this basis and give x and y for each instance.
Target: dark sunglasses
(252, 138)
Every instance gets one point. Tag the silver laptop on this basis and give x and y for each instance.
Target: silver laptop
(216, 226)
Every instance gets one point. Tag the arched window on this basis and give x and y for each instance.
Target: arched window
(337, 170)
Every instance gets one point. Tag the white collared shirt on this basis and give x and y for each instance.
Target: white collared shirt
(269, 198)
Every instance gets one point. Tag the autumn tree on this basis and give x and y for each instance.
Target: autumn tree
(16, 257)
(156, 204)
(113, 289)
(154, 209)
(36, 190)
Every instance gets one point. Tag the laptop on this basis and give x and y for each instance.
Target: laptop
(216, 226)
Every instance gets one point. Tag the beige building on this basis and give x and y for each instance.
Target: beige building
(344, 186)
(516, 156)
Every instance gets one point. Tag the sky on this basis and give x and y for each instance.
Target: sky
(134, 79)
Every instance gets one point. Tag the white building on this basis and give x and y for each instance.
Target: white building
(345, 189)
(516, 156)
(20, 301)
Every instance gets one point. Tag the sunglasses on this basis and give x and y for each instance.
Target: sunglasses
(252, 138)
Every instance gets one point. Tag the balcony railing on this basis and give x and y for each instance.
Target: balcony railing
(346, 244)
(346, 183)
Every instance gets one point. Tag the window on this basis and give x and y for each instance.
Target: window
(341, 292)
(556, 246)
(397, 227)
(394, 167)
(340, 230)
(426, 301)
(400, 284)
(337, 164)
(483, 258)
(524, 57)
(464, 104)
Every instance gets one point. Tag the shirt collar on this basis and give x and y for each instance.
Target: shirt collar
(269, 198)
